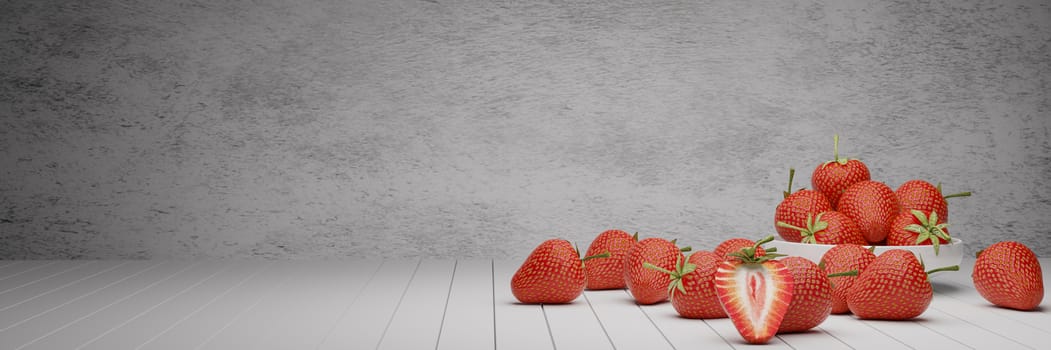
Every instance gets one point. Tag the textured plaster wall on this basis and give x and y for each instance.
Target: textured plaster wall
(441, 128)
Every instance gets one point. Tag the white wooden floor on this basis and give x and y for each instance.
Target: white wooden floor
(410, 304)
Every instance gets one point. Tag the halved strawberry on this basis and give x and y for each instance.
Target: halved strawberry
(917, 228)
(1008, 274)
(831, 178)
(893, 287)
(811, 296)
(692, 288)
(648, 286)
(872, 205)
(830, 227)
(734, 245)
(796, 207)
(552, 274)
(755, 292)
(609, 273)
(840, 259)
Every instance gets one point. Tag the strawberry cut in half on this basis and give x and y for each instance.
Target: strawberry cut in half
(755, 292)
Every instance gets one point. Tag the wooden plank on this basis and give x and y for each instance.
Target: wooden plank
(46, 301)
(859, 335)
(208, 319)
(983, 317)
(626, 325)
(21, 266)
(468, 320)
(684, 333)
(575, 326)
(31, 291)
(73, 325)
(518, 326)
(815, 338)
(726, 330)
(60, 308)
(137, 330)
(301, 309)
(34, 275)
(914, 334)
(960, 286)
(421, 309)
(965, 332)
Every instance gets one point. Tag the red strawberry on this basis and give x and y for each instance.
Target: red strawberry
(733, 245)
(916, 228)
(609, 273)
(831, 178)
(811, 296)
(925, 197)
(840, 259)
(692, 288)
(552, 274)
(755, 292)
(872, 205)
(796, 207)
(893, 287)
(648, 286)
(830, 227)
(1008, 274)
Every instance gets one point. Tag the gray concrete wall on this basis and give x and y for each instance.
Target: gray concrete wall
(441, 128)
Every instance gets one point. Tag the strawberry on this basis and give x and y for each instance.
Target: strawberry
(648, 286)
(692, 287)
(830, 227)
(795, 208)
(831, 178)
(811, 296)
(916, 228)
(1008, 274)
(925, 197)
(733, 245)
(872, 205)
(609, 273)
(840, 259)
(552, 274)
(893, 287)
(755, 291)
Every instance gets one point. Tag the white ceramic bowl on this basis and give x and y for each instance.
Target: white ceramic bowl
(948, 254)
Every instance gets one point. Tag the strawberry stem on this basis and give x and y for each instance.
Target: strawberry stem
(844, 273)
(603, 255)
(791, 175)
(961, 194)
(686, 249)
(947, 268)
(656, 268)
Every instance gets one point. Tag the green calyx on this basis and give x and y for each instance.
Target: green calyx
(929, 229)
(813, 226)
(747, 255)
(681, 270)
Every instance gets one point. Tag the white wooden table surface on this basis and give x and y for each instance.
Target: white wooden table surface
(412, 304)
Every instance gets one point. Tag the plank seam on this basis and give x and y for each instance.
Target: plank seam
(999, 311)
(151, 308)
(202, 307)
(357, 295)
(548, 324)
(886, 334)
(943, 334)
(115, 302)
(980, 326)
(74, 267)
(445, 310)
(79, 297)
(29, 270)
(398, 305)
(60, 288)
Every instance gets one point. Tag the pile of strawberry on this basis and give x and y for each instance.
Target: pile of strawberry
(847, 206)
(765, 293)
